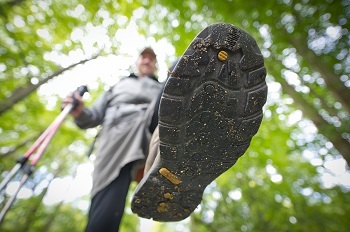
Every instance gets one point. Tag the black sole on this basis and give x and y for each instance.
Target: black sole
(210, 110)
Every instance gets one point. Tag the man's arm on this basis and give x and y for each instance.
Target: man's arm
(87, 117)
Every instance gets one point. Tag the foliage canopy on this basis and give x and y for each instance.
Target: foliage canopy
(295, 174)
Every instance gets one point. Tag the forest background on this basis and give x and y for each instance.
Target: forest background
(294, 176)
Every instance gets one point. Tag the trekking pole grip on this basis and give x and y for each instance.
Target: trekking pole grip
(82, 89)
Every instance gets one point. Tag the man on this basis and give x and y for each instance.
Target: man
(126, 115)
(210, 109)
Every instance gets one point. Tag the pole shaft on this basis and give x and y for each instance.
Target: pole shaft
(12, 199)
(7, 179)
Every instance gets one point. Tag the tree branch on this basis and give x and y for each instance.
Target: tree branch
(21, 92)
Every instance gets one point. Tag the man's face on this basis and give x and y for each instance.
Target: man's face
(146, 64)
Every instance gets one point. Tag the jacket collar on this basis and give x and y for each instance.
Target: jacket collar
(132, 75)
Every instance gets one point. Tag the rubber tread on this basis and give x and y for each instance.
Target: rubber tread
(209, 112)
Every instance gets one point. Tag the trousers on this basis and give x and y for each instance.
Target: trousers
(107, 206)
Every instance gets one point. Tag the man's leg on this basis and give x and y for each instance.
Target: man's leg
(153, 128)
(107, 206)
(153, 150)
(210, 110)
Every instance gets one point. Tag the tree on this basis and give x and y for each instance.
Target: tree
(280, 183)
(304, 43)
(22, 92)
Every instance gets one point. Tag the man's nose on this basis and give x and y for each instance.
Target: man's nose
(147, 59)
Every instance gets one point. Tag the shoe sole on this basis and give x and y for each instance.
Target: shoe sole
(210, 109)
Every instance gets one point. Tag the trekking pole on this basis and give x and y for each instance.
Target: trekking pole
(28, 170)
(13, 197)
(22, 160)
(42, 142)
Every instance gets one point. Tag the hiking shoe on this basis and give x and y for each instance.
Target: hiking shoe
(210, 109)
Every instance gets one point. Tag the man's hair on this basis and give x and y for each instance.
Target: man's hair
(148, 50)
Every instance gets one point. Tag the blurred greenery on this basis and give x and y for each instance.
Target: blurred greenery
(294, 176)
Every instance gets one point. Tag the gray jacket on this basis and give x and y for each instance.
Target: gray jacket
(125, 113)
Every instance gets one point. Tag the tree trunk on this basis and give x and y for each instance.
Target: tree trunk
(310, 112)
(340, 92)
(300, 42)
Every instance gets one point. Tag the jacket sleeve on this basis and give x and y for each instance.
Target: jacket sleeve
(93, 116)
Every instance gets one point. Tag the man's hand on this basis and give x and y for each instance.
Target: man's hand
(77, 100)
